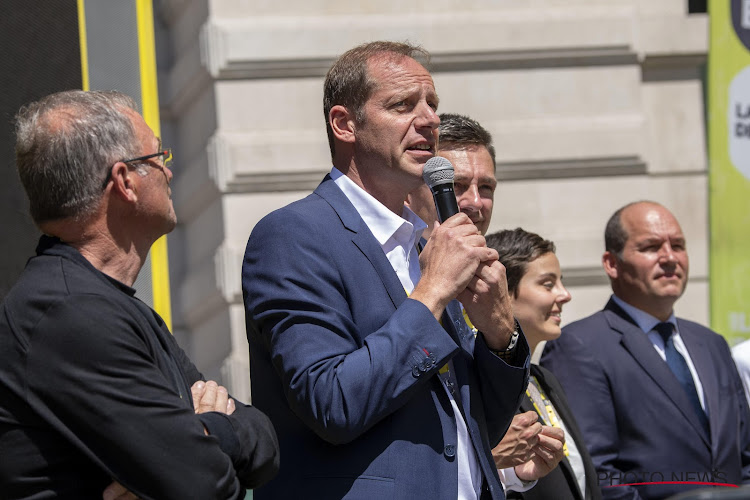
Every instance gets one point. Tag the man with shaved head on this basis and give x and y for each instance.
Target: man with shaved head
(658, 398)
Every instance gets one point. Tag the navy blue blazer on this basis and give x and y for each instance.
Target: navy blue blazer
(345, 365)
(636, 418)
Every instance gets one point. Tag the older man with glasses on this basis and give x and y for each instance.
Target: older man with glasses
(96, 397)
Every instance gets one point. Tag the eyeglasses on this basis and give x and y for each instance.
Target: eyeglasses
(165, 154)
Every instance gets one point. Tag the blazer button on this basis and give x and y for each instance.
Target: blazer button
(450, 451)
(428, 363)
(415, 372)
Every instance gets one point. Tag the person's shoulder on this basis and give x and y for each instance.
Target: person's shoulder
(544, 373)
(295, 233)
(589, 325)
(48, 280)
(688, 328)
(695, 327)
(301, 215)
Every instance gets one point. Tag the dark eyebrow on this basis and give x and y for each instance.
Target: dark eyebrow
(651, 240)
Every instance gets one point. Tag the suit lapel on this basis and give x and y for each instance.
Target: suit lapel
(639, 346)
(362, 238)
(700, 355)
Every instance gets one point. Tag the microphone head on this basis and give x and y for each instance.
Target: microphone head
(436, 171)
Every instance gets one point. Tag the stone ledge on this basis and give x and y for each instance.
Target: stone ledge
(257, 182)
(440, 62)
(568, 168)
(584, 276)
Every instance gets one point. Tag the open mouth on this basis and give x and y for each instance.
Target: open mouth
(428, 148)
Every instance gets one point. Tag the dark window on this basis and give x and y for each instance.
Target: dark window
(697, 6)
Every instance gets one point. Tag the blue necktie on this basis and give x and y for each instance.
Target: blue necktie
(679, 367)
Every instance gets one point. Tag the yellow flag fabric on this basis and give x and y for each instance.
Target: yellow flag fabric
(729, 167)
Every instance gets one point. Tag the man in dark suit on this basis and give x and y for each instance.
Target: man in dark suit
(658, 398)
(364, 363)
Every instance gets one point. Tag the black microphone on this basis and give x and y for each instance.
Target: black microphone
(438, 175)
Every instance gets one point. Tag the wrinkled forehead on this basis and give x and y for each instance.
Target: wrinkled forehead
(383, 66)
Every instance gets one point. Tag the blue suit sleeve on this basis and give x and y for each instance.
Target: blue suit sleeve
(341, 375)
(501, 384)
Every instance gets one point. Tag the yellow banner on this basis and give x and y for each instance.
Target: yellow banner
(729, 167)
(128, 27)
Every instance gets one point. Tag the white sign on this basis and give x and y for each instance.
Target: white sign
(739, 122)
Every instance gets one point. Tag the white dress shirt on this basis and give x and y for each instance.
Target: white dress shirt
(398, 236)
(741, 355)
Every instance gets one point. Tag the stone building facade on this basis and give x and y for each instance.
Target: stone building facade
(592, 104)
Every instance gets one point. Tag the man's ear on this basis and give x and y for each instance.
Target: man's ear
(611, 264)
(123, 182)
(342, 123)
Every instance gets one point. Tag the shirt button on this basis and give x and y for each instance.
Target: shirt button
(450, 451)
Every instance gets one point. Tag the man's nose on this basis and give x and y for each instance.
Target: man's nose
(427, 116)
(666, 254)
(168, 173)
(470, 200)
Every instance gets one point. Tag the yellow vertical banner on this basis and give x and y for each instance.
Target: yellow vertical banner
(83, 45)
(150, 106)
(118, 51)
(729, 167)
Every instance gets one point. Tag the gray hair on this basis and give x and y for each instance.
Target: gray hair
(66, 144)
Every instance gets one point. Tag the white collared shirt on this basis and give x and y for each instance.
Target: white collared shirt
(741, 355)
(646, 322)
(398, 236)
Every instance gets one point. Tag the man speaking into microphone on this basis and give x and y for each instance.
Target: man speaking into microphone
(358, 349)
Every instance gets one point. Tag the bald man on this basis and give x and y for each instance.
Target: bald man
(658, 398)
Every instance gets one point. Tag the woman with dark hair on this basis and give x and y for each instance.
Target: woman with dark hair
(535, 285)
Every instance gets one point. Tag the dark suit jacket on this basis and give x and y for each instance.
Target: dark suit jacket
(346, 366)
(635, 416)
(560, 484)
